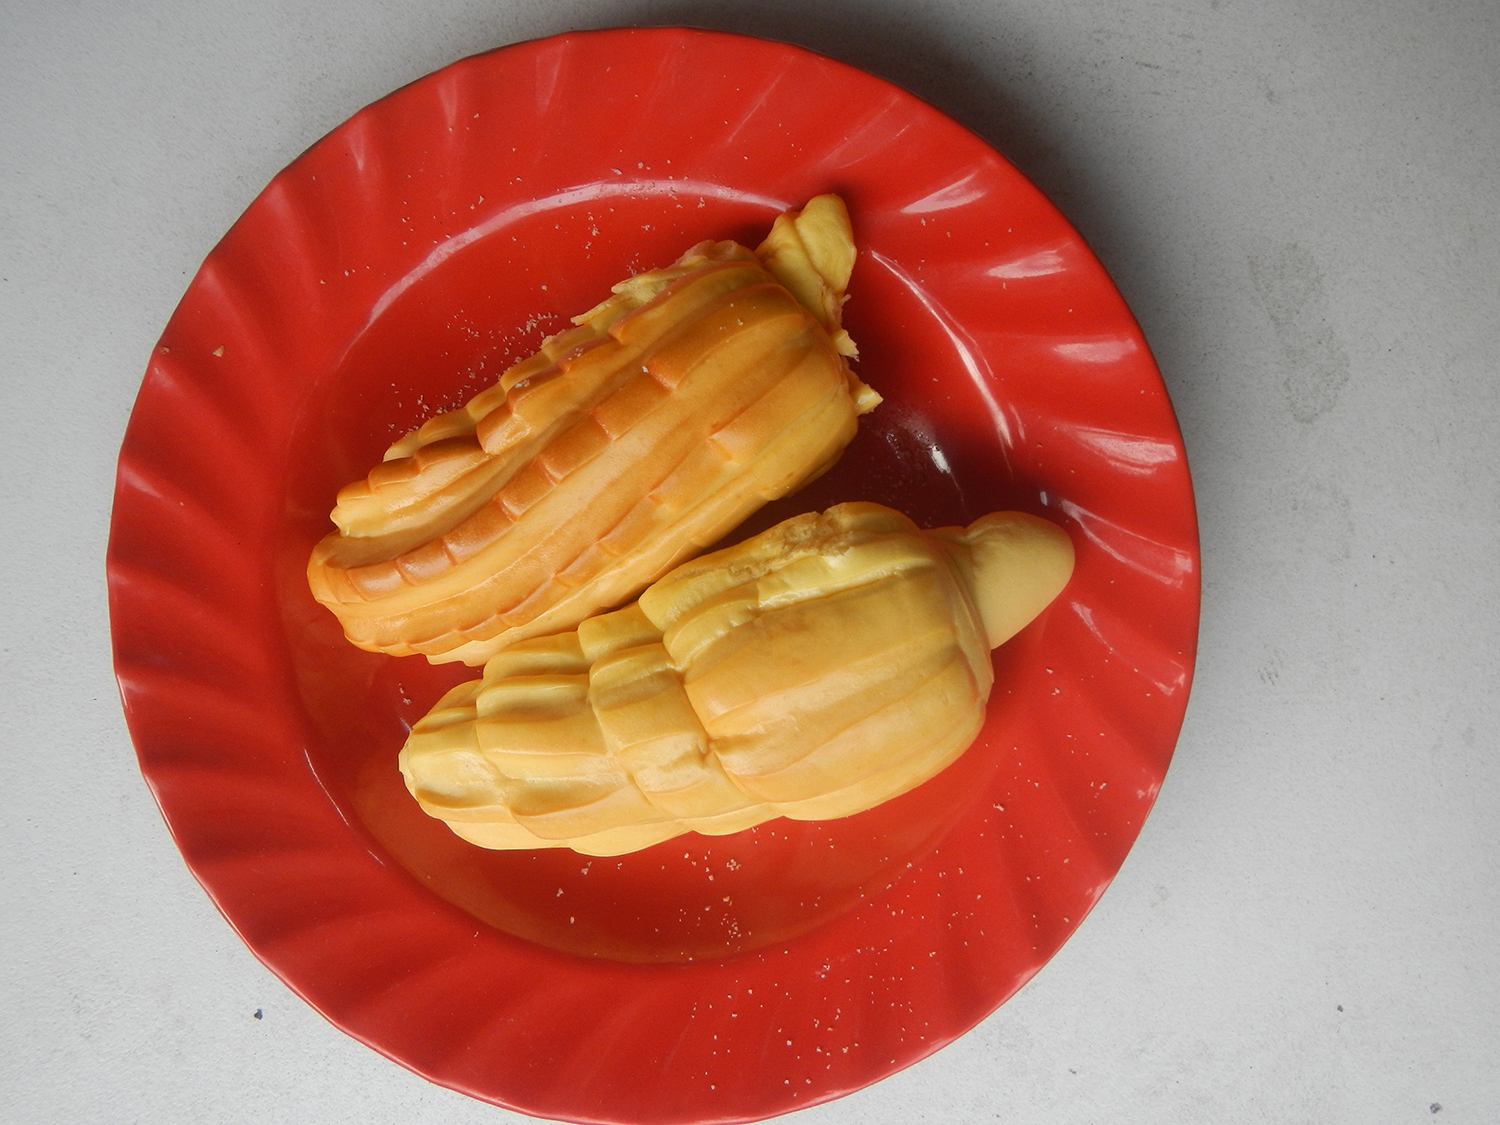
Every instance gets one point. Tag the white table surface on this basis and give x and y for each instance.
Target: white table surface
(1301, 203)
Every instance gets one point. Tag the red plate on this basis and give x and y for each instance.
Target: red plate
(397, 267)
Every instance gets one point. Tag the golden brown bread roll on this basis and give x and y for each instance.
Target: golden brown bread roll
(813, 671)
(671, 412)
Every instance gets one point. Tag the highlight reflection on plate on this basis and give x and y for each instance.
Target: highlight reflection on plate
(397, 267)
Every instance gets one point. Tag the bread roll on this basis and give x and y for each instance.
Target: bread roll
(671, 412)
(813, 671)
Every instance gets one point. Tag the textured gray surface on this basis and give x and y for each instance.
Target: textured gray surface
(1302, 205)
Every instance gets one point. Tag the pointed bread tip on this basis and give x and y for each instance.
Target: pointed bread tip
(1021, 563)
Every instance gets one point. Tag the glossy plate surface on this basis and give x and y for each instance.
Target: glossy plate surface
(397, 267)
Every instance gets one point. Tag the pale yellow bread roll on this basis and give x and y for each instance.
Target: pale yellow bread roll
(670, 413)
(813, 671)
